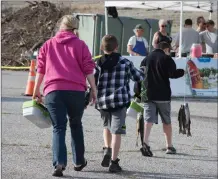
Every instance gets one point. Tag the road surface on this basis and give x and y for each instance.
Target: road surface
(26, 149)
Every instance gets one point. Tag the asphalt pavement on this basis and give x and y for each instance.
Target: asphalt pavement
(26, 149)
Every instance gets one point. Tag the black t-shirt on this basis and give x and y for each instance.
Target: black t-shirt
(163, 38)
(160, 67)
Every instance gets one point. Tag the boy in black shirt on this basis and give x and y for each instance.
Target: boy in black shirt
(156, 93)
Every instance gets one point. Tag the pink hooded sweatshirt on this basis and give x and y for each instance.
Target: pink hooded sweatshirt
(65, 61)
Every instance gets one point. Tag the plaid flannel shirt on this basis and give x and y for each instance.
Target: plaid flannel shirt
(113, 86)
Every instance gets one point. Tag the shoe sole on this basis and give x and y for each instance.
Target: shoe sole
(146, 154)
(106, 161)
(57, 174)
(81, 167)
(115, 171)
(170, 152)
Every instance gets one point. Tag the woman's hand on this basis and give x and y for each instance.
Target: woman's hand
(36, 92)
(37, 96)
(93, 96)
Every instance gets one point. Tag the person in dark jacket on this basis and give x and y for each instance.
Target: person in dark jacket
(156, 93)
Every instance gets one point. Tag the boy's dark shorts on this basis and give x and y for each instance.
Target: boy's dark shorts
(115, 121)
(153, 108)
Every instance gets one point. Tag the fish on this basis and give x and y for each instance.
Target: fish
(180, 117)
(184, 119)
(140, 128)
(188, 119)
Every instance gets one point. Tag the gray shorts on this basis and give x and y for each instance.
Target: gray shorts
(152, 109)
(115, 121)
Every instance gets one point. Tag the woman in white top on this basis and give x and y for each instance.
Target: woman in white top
(138, 45)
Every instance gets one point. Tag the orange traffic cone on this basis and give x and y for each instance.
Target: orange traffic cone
(31, 79)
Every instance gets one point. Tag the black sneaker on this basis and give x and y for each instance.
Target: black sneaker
(58, 172)
(114, 166)
(171, 150)
(80, 167)
(145, 150)
(107, 157)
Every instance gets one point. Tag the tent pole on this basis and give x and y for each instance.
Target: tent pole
(180, 31)
(210, 16)
(150, 35)
(106, 20)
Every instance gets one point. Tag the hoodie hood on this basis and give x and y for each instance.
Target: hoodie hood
(64, 37)
(108, 62)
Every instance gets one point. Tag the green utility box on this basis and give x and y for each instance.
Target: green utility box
(92, 29)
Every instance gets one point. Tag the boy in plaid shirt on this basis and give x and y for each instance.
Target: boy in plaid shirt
(112, 74)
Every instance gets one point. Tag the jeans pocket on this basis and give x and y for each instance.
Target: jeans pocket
(53, 97)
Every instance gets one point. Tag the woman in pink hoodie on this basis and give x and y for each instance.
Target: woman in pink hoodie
(64, 62)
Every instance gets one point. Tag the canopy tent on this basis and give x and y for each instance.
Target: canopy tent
(205, 6)
(198, 6)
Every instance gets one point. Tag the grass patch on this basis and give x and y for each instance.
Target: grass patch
(15, 144)
(197, 147)
(7, 113)
(47, 146)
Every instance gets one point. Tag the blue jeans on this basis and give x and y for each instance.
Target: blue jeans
(60, 104)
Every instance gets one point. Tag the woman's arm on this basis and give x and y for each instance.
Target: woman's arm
(88, 69)
(155, 40)
(36, 91)
(41, 66)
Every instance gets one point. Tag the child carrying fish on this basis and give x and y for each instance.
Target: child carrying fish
(156, 94)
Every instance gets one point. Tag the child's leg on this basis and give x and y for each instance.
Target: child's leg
(150, 117)
(107, 138)
(118, 127)
(106, 116)
(147, 132)
(116, 141)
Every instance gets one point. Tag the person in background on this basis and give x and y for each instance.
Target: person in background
(112, 74)
(64, 61)
(138, 45)
(189, 37)
(201, 25)
(161, 35)
(159, 67)
(209, 38)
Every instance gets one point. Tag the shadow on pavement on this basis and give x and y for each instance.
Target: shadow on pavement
(15, 99)
(143, 175)
(71, 177)
(199, 158)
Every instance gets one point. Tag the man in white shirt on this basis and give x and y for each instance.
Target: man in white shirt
(138, 45)
(189, 37)
(209, 38)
